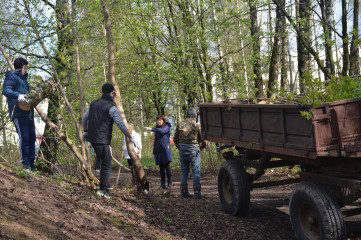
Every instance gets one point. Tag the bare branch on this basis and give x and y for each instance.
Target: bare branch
(49, 4)
(229, 53)
(27, 54)
(6, 57)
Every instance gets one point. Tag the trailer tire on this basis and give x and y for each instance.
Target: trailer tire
(315, 214)
(234, 188)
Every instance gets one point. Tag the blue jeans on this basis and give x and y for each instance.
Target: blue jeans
(25, 128)
(190, 157)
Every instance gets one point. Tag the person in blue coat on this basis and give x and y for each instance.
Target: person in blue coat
(162, 150)
(14, 88)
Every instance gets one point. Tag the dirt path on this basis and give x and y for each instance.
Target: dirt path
(268, 216)
(34, 207)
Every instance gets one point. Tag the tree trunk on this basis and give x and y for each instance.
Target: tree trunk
(316, 46)
(143, 184)
(354, 51)
(327, 21)
(3, 122)
(346, 55)
(284, 63)
(276, 49)
(256, 46)
(62, 62)
(205, 59)
(221, 62)
(303, 57)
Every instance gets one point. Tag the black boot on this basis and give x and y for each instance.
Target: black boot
(162, 186)
(197, 192)
(184, 192)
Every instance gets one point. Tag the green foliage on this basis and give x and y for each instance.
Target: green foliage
(167, 220)
(23, 173)
(343, 87)
(307, 114)
(339, 88)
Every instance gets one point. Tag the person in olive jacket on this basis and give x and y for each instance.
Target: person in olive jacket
(162, 150)
(14, 88)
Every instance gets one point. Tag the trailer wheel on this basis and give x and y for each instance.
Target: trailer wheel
(234, 188)
(315, 214)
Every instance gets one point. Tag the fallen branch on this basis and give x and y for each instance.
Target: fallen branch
(4, 159)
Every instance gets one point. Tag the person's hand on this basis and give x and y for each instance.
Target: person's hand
(85, 137)
(133, 141)
(22, 99)
(148, 128)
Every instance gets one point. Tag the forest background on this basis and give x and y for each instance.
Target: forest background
(168, 55)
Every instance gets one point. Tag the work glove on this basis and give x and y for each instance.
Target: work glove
(85, 137)
(133, 141)
(22, 99)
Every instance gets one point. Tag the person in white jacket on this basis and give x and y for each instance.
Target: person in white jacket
(137, 149)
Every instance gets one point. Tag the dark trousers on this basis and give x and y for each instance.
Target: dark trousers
(165, 168)
(98, 162)
(103, 153)
(25, 128)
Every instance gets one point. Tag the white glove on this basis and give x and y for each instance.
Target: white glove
(133, 141)
(148, 128)
(22, 99)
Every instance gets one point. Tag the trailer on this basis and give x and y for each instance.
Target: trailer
(327, 148)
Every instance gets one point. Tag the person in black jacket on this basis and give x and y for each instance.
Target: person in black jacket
(98, 123)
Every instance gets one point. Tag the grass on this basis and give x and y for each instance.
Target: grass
(148, 160)
(68, 163)
(210, 159)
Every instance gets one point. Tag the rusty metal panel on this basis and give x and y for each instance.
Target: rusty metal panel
(338, 128)
(334, 131)
(259, 127)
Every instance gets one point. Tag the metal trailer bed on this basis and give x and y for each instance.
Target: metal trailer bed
(327, 147)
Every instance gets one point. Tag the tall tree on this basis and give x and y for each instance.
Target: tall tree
(345, 40)
(327, 22)
(285, 69)
(355, 50)
(256, 46)
(303, 55)
(62, 61)
(276, 49)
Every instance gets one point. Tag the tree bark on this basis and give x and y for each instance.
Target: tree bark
(284, 63)
(256, 46)
(327, 22)
(303, 57)
(276, 49)
(354, 51)
(204, 54)
(84, 148)
(62, 61)
(346, 54)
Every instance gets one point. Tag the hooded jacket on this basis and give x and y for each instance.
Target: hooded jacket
(16, 83)
(162, 151)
